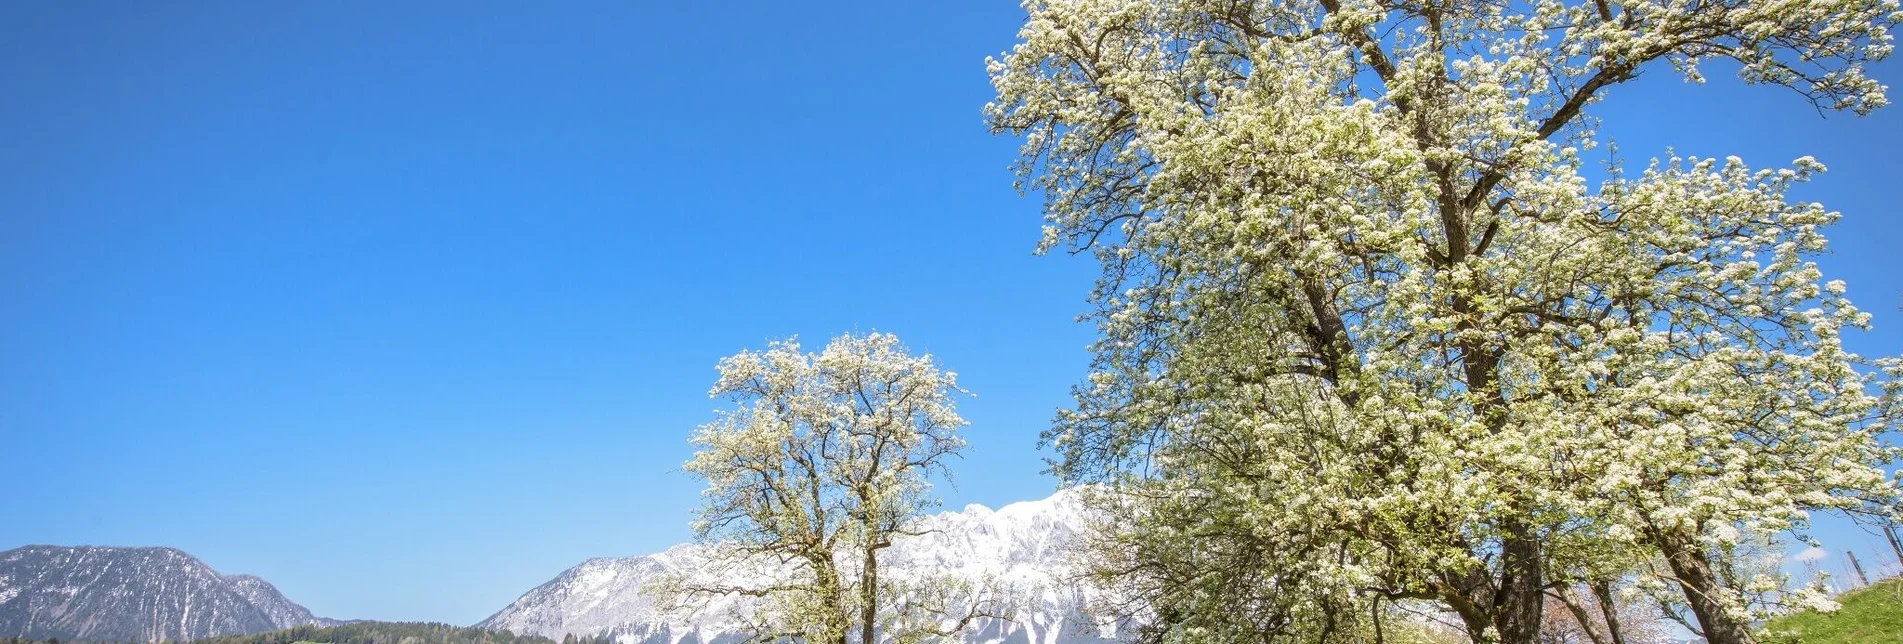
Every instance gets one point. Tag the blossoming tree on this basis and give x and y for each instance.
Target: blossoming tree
(822, 460)
(1369, 333)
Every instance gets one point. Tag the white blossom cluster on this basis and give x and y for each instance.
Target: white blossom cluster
(1370, 334)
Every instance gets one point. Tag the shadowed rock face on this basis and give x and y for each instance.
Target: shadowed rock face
(133, 594)
(1018, 550)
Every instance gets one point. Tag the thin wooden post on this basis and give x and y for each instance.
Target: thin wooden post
(1861, 580)
(1889, 530)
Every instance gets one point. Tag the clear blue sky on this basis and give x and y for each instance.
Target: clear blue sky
(406, 307)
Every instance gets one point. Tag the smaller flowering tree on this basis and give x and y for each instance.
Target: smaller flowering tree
(820, 463)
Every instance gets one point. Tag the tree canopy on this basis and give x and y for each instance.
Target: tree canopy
(822, 460)
(1373, 331)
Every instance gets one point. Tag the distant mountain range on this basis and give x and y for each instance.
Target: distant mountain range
(134, 594)
(104, 594)
(1019, 549)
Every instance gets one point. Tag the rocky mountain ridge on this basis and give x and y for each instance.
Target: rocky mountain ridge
(119, 594)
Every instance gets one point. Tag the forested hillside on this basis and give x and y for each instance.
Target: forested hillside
(394, 633)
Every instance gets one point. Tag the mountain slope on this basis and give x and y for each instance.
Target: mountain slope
(280, 610)
(133, 594)
(1018, 550)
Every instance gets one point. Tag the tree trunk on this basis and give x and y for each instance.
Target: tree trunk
(1602, 590)
(869, 594)
(827, 579)
(1701, 586)
(1565, 594)
(1467, 597)
(1521, 596)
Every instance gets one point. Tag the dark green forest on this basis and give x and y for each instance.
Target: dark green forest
(393, 633)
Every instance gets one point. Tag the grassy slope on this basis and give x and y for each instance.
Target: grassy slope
(1869, 615)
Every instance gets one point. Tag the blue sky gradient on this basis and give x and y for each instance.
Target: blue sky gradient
(406, 307)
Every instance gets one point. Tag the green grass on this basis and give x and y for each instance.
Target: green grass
(1869, 615)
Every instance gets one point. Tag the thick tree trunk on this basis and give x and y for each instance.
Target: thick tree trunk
(827, 578)
(1518, 602)
(1701, 586)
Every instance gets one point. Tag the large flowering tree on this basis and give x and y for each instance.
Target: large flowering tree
(1371, 334)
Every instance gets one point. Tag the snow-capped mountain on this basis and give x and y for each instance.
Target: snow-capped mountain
(1018, 550)
(133, 594)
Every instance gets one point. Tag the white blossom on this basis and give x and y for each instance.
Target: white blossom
(1369, 332)
(820, 461)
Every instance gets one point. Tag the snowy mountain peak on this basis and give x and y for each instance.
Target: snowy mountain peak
(1018, 549)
